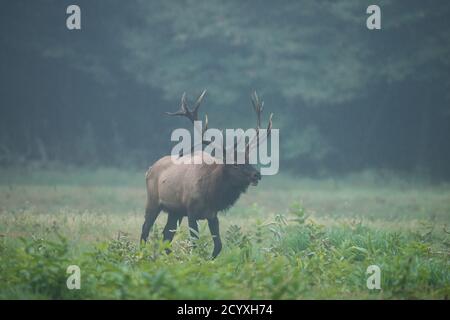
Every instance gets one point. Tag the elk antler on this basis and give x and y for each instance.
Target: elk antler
(258, 106)
(192, 114)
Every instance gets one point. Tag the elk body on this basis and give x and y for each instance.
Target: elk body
(196, 191)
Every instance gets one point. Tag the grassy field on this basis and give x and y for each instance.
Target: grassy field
(287, 238)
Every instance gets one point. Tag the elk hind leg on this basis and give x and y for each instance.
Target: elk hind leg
(170, 228)
(151, 213)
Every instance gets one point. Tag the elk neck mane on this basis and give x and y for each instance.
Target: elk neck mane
(224, 191)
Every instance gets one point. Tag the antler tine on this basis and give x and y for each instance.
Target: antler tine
(184, 102)
(192, 114)
(258, 106)
(256, 141)
(184, 109)
(206, 123)
(269, 126)
(199, 101)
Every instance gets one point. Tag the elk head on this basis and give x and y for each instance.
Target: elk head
(241, 173)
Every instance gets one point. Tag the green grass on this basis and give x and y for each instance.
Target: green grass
(285, 239)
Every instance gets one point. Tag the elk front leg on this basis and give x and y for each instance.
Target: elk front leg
(213, 224)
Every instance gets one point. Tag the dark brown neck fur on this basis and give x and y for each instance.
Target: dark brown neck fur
(225, 190)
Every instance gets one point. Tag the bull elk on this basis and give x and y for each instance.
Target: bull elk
(198, 191)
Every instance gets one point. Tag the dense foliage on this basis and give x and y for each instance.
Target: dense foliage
(281, 259)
